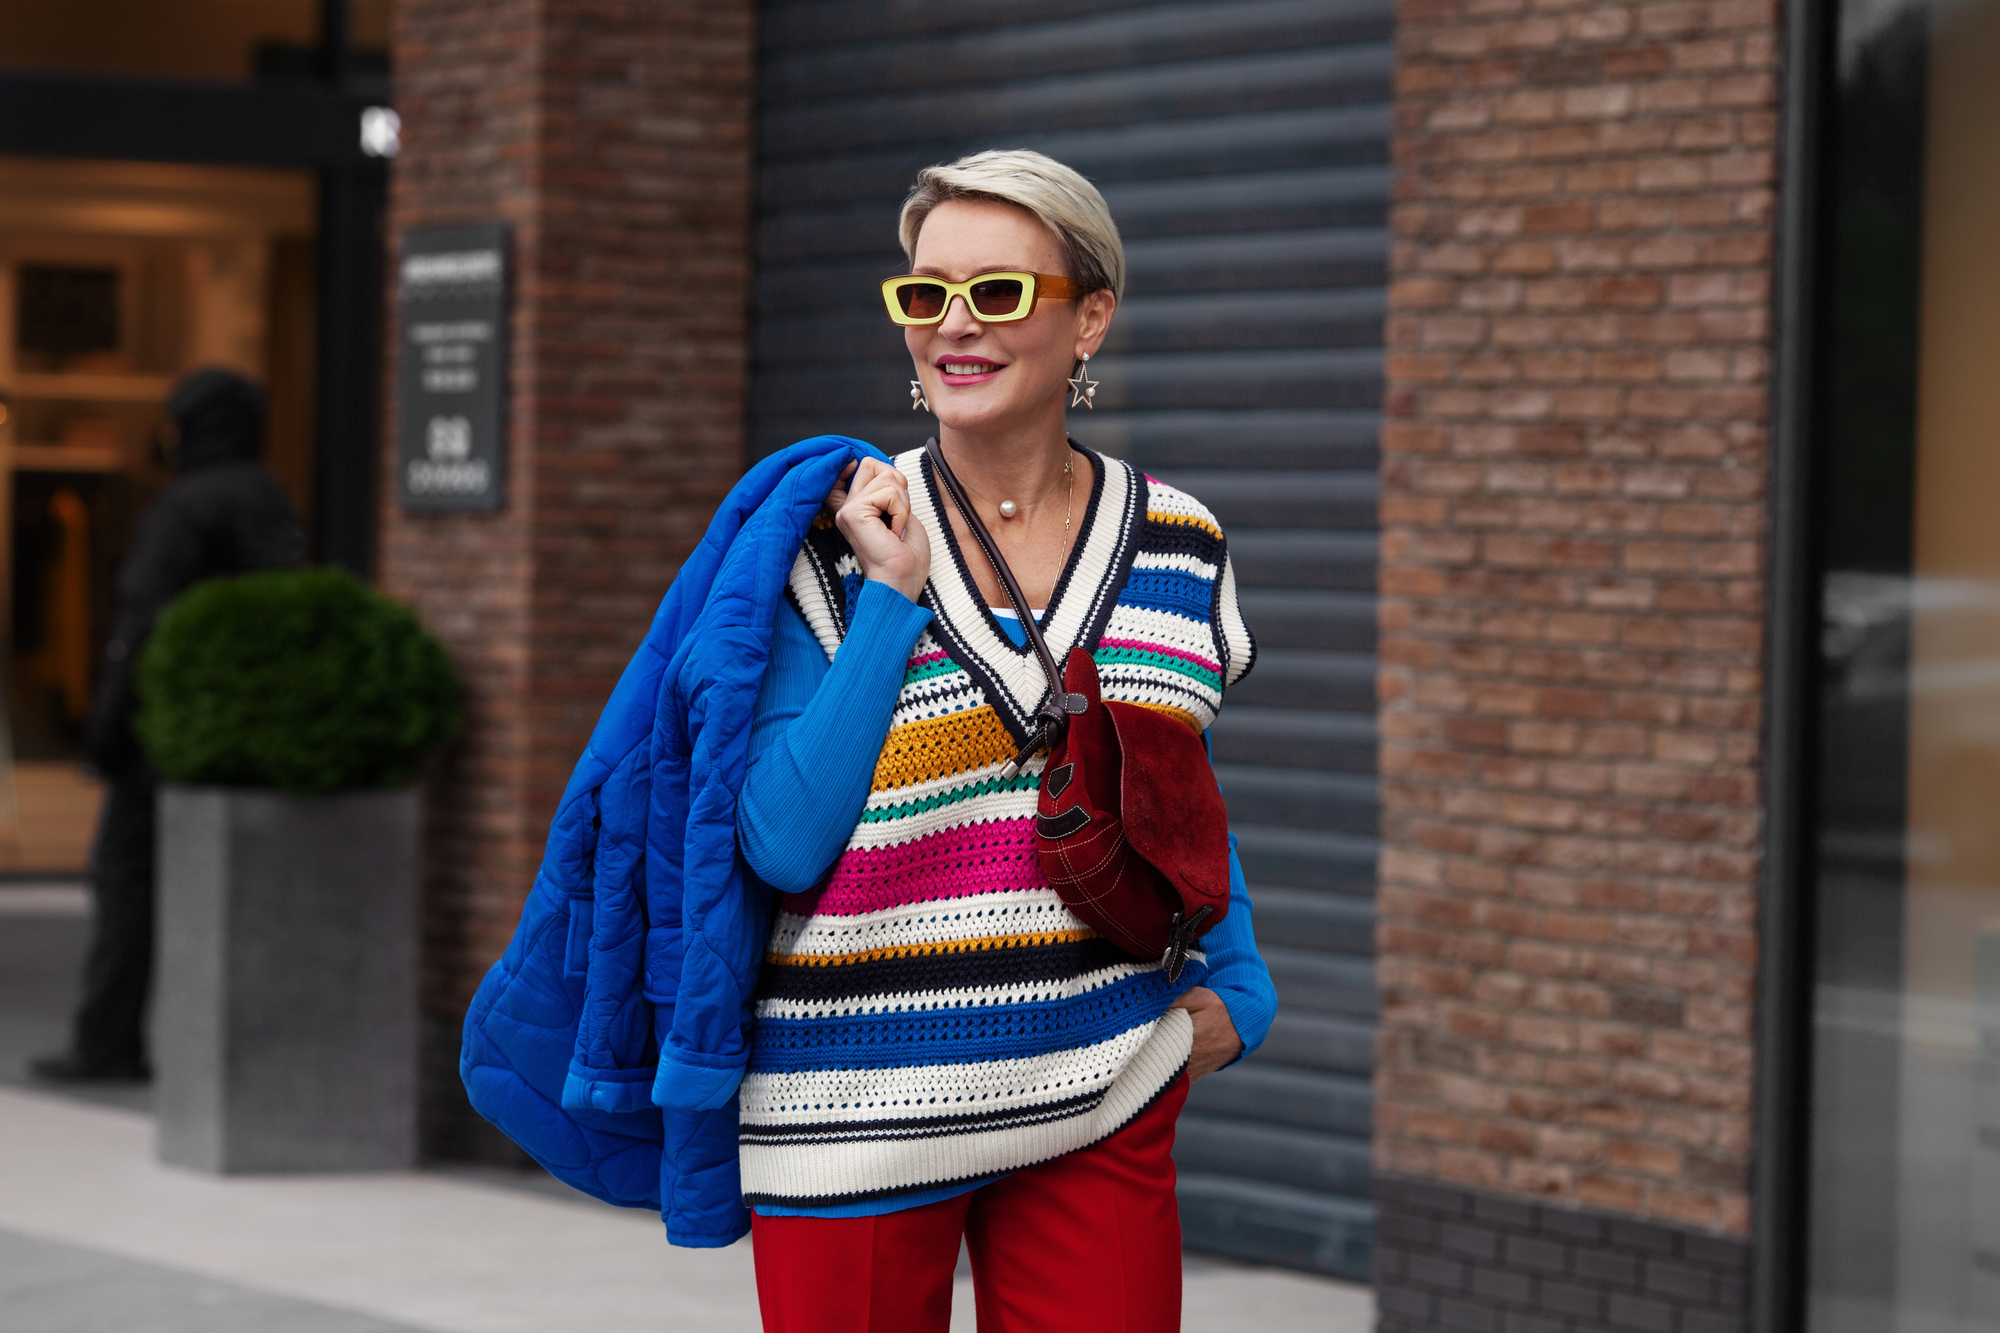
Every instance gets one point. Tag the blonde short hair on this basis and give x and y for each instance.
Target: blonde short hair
(1068, 204)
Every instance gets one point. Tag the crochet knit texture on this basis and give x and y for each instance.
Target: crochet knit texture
(931, 1012)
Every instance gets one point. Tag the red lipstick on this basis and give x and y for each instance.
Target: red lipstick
(959, 370)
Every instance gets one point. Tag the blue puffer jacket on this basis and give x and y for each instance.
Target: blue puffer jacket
(629, 982)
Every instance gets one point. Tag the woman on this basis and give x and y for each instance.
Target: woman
(941, 1049)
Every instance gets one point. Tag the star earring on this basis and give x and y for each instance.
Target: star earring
(1082, 388)
(917, 398)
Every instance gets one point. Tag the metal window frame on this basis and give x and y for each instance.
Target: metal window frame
(1783, 1078)
(308, 124)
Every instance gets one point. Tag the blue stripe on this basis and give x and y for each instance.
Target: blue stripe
(959, 1035)
(1169, 590)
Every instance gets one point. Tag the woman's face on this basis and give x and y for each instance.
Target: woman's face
(980, 377)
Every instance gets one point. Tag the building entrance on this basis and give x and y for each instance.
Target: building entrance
(195, 184)
(115, 279)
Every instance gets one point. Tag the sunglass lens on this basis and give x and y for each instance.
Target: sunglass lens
(921, 300)
(997, 296)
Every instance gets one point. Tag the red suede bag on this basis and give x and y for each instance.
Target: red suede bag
(1130, 826)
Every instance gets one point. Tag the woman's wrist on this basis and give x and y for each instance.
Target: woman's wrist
(881, 598)
(909, 594)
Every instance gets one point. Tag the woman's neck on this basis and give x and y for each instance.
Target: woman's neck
(1025, 466)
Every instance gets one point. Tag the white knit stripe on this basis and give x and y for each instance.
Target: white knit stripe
(836, 1170)
(984, 809)
(1164, 499)
(936, 697)
(961, 603)
(1165, 627)
(1174, 560)
(977, 916)
(804, 583)
(1147, 676)
(1165, 689)
(906, 1092)
(1242, 649)
(962, 997)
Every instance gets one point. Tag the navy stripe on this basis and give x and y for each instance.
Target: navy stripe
(940, 972)
(803, 1200)
(960, 1036)
(923, 1127)
(1157, 538)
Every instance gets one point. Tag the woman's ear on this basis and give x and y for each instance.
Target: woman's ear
(1094, 313)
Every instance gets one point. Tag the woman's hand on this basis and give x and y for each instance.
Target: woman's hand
(871, 503)
(1215, 1039)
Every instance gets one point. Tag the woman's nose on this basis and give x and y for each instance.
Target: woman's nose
(959, 321)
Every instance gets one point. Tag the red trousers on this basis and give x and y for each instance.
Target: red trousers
(1089, 1242)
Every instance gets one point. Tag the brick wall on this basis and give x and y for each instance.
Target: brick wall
(1472, 1262)
(1573, 474)
(614, 135)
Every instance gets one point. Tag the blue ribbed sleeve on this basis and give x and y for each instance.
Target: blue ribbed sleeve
(1236, 970)
(816, 734)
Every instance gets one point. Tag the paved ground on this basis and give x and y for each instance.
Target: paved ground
(95, 1235)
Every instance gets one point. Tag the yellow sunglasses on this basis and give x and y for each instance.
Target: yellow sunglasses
(995, 298)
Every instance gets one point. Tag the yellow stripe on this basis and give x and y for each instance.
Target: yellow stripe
(938, 747)
(979, 945)
(1180, 715)
(1190, 520)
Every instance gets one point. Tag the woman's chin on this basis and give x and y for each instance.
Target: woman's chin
(974, 417)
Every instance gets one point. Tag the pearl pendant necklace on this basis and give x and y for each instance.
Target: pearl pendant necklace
(1008, 509)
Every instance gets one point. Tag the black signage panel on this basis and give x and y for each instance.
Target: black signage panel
(451, 382)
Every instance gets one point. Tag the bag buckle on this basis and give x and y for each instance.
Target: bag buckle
(1054, 720)
(1180, 938)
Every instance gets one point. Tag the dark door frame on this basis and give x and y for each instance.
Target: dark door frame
(1783, 1085)
(311, 124)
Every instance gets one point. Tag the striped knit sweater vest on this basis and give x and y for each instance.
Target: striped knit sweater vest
(931, 1012)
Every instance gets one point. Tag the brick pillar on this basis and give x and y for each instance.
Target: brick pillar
(614, 135)
(1573, 516)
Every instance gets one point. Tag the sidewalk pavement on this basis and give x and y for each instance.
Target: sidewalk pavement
(96, 1235)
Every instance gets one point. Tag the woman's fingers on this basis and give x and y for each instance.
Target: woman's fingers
(1216, 1041)
(837, 497)
(884, 534)
(884, 491)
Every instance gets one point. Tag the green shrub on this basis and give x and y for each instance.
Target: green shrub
(306, 681)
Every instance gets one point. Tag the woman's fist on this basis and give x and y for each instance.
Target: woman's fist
(871, 503)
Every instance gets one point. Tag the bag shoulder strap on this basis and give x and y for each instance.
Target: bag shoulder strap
(1055, 714)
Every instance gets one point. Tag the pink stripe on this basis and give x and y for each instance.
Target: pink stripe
(927, 659)
(1145, 647)
(995, 857)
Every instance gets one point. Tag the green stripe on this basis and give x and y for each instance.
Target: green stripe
(1109, 656)
(924, 673)
(1019, 782)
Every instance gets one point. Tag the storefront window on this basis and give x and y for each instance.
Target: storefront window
(1905, 1185)
(228, 40)
(115, 279)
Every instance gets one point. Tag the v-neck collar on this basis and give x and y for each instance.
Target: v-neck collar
(1077, 609)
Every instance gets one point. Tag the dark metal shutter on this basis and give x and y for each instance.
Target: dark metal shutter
(1243, 146)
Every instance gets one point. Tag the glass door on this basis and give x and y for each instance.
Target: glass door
(115, 279)
(1904, 1211)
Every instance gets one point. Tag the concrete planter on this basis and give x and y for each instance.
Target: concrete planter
(285, 1009)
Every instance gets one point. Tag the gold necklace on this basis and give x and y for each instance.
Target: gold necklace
(1069, 497)
(1007, 509)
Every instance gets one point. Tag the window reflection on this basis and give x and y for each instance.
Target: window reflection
(226, 40)
(1905, 1215)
